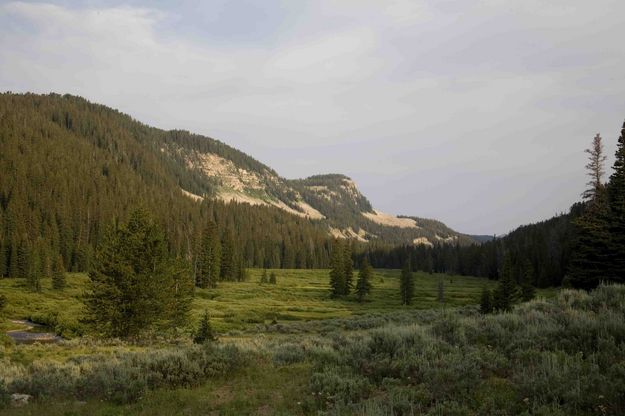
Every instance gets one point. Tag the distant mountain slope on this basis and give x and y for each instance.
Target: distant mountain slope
(198, 168)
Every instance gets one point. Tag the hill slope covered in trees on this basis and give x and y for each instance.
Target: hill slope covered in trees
(69, 168)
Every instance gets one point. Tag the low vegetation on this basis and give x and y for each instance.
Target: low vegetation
(557, 356)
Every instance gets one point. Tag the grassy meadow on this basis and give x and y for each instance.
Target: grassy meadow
(299, 295)
(291, 349)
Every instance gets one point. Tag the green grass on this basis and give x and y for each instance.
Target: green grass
(299, 295)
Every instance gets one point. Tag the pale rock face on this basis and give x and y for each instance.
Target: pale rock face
(422, 241)
(390, 220)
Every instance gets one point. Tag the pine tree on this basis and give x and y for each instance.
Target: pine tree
(210, 257)
(133, 282)
(527, 288)
(58, 274)
(486, 303)
(33, 278)
(272, 278)
(363, 284)
(505, 295)
(337, 273)
(228, 257)
(616, 202)
(406, 284)
(349, 268)
(591, 255)
(264, 278)
(205, 331)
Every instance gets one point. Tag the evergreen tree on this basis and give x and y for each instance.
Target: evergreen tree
(363, 284)
(210, 257)
(616, 202)
(205, 331)
(228, 257)
(527, 288)
(349, 268)
(272, 278)
(264, 278)
(486, 303)
(337, 272)
(505, 295)
(406, 284)
(591, 255)
(133, 280)
(58, 274)
(180, 290)
(3, 302)
(33, 278)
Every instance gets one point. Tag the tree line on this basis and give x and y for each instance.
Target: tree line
(580, 248)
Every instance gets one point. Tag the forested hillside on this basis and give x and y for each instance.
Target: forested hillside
(69, 168)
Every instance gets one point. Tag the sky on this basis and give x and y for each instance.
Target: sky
(473, 112)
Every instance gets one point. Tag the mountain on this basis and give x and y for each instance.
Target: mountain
(68, 168)
(332, 199)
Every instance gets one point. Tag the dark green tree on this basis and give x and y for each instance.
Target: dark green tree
(3, 302)
(506, 292)
(210, 257)
(363, 284)
(486, 302)
(406, 284)
(528, 292)
(264, 278)
(591, 256)
(228, 257)
(204, 331)
(337, 272)
(349, 268)
(272, 278)
(616, 203)
(133, 280)
(58, 274)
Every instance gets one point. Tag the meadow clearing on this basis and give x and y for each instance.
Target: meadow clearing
(290, 349)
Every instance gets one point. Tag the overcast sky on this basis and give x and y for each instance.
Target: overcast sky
(472, 112)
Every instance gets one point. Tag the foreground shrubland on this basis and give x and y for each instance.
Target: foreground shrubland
(561, 357)
(122, 377)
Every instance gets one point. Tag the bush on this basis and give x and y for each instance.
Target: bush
(125, 377)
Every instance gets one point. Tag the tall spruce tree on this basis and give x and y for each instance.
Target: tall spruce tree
(363, 284)
(349, 267)
(527, 282)
(58, 274)
(209, 257)
(337, 272)
(406, 284)
(591, 255)
(616, 203)
(506, 292)
(133, 280)
(228, 257)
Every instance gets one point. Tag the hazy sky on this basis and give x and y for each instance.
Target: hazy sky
(472, 112)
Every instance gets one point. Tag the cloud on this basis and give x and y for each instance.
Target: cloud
(475, 112)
